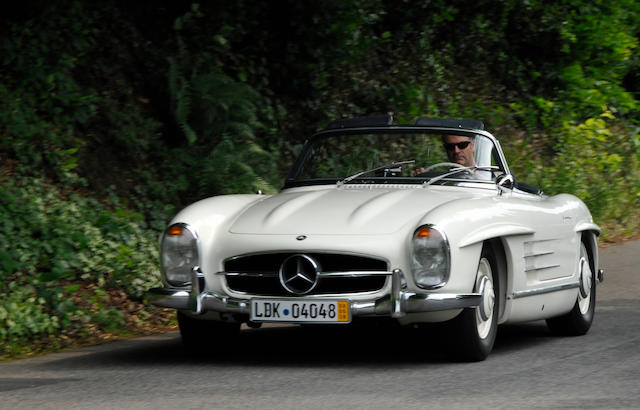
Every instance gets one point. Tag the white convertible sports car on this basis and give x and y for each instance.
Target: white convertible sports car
(412, 224)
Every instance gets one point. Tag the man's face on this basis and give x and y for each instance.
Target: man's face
(460, 149)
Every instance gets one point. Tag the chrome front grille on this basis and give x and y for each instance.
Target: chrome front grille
(338, 273)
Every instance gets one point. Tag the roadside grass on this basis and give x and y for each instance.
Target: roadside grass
(138, 319)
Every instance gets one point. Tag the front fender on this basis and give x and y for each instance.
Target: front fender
(212, 216)
(212, 211)
(496, 230)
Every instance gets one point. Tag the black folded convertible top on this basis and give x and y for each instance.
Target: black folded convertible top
(387, 120)
(450, 123)
(375, 121)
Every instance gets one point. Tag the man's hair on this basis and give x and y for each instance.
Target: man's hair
(471, 137)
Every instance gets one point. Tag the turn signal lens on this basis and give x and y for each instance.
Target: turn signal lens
(175, 230)
(423, 232)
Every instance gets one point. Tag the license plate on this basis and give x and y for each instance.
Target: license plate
(285, 310)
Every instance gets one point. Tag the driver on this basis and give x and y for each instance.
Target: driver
(460, 149)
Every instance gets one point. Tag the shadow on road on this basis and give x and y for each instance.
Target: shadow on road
(308, 346)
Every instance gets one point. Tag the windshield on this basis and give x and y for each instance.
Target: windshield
(385, 156)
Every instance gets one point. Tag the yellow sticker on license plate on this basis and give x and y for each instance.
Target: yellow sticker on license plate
(300, 311)
(343, 311)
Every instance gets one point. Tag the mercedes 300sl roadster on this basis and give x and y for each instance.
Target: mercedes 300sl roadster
(412, 224)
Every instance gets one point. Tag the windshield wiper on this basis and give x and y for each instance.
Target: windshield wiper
(391, 165)
(461, 169)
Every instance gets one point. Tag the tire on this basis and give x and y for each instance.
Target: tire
(578, 321)
(199, 334)
(473, 331)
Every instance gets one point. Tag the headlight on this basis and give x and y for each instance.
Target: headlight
(430, 260)
(179, 254)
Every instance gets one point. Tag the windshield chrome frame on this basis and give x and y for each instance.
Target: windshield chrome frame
(393, 129)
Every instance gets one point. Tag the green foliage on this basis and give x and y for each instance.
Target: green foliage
(40, 101)
(109, 319)
(605, 172)
(596, 161)
(218, 115)
(47, 238)
(24, 314)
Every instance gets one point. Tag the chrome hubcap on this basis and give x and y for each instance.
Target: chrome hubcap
(586, 281)
(484, 285)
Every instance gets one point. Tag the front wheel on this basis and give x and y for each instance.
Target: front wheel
(474, 330)
(578, 321)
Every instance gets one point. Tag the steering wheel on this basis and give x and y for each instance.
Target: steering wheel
(445, 164)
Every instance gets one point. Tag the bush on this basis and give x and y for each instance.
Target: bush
(48, 238)
(596, 160)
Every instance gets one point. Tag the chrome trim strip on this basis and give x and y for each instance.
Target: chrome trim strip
(398, 283)
(420, 302)
(169, 298)
(541, 253)
(355, 273)
(329, 295)
(251, 274)
(350, 274)
(542, 291)
(445, 182)
(197, 285)
(541, 268)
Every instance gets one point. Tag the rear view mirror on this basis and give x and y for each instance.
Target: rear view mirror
(505, 181)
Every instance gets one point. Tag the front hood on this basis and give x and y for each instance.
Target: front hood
(336, 210)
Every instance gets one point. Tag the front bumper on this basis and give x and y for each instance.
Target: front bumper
(397, 304)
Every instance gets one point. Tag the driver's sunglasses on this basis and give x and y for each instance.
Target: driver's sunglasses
(461, 145)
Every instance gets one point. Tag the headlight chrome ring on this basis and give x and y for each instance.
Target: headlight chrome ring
(430, 257)
(179, 254)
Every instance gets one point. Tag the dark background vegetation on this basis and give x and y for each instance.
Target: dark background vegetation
(115, 114)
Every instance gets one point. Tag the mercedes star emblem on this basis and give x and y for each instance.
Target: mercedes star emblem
(299, 274)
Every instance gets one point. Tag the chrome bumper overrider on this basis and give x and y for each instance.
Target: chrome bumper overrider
(396, 304)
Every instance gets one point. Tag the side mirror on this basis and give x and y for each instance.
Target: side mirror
(505, 181)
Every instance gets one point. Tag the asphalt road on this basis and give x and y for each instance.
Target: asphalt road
(326, 368)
